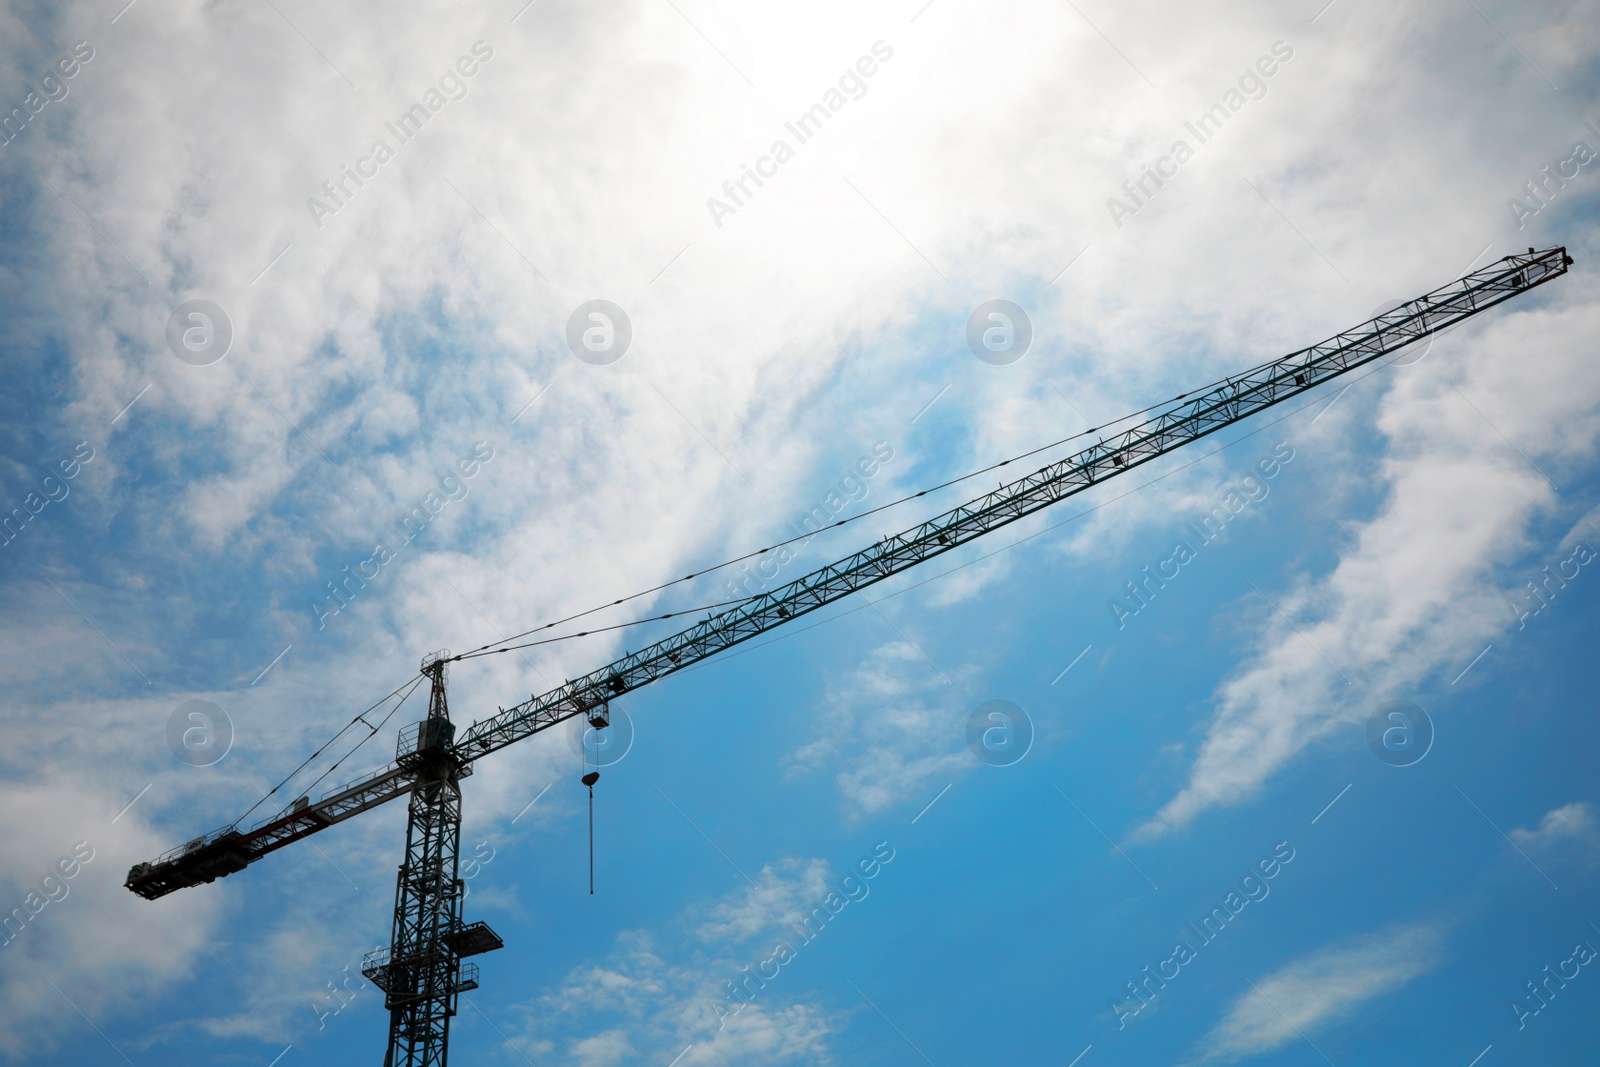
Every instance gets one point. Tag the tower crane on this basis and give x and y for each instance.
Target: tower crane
(426, 965)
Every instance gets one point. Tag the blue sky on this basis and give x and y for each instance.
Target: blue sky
(1179, 753)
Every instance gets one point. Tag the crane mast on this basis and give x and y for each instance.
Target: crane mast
(423, 970)
(421, 973)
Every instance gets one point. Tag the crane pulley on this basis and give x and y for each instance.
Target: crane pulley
(423, 971)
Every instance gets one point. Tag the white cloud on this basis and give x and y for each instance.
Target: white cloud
(605, 1049)
(1417, 588)
(1323, 987)
(99, 944)
(641, 996)
(891, 726)
(1570, 830)
(783, 891)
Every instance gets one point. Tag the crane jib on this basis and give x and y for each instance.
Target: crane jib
(1186, 419)
(1198, 415)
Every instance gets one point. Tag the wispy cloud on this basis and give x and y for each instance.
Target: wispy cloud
(1295, 1001)
(782, 891)
(892, 725)
(656, 996)
(97, 941)
(1416, 590)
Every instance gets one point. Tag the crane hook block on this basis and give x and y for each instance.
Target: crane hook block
(591, 778)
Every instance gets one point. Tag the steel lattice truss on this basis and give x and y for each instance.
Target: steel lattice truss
(421, 972)
(1223, 404)
(1186, 419)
